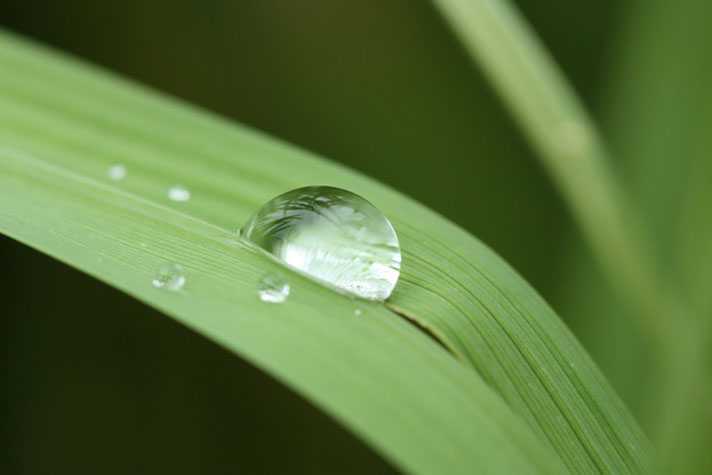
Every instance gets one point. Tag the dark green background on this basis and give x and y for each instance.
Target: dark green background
(93, 382)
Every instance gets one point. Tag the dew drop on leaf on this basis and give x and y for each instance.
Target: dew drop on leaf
(272, 289)
(117, 172)
(179, 193)
(169, 276)
(333, 235)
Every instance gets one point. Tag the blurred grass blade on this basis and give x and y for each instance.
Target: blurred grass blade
(565, 139)
(656, 103)
(520, 384)
(657, 108)
(683, 422)
(692, 251)
(377, 374)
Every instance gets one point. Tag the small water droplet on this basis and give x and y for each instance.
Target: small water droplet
(334, 235)
(179, 193)
(169, 276)
(116, 172)
(357, 312)
(272, 289)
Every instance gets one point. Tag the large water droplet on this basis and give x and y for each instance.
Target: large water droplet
(116, 172)
(272, 289)
(169, 276)
(179, 193)
(333, 235)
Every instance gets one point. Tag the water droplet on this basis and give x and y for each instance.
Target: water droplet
(357, 312)
(116, 172)
(179, 193)
(333, 235)
(272, 289)
(169, 276)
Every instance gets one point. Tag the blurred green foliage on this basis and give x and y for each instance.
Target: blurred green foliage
(384, 88)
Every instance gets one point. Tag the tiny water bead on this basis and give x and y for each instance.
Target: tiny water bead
(333, 235)
(179, 193)
(169, 276)
(116, 172)
(272, 289)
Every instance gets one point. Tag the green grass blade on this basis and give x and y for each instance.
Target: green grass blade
(377, 374)
(493, 321)
(656, 105)
(683, 427)
(565, 139)
(63, 124)
(692, 252)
